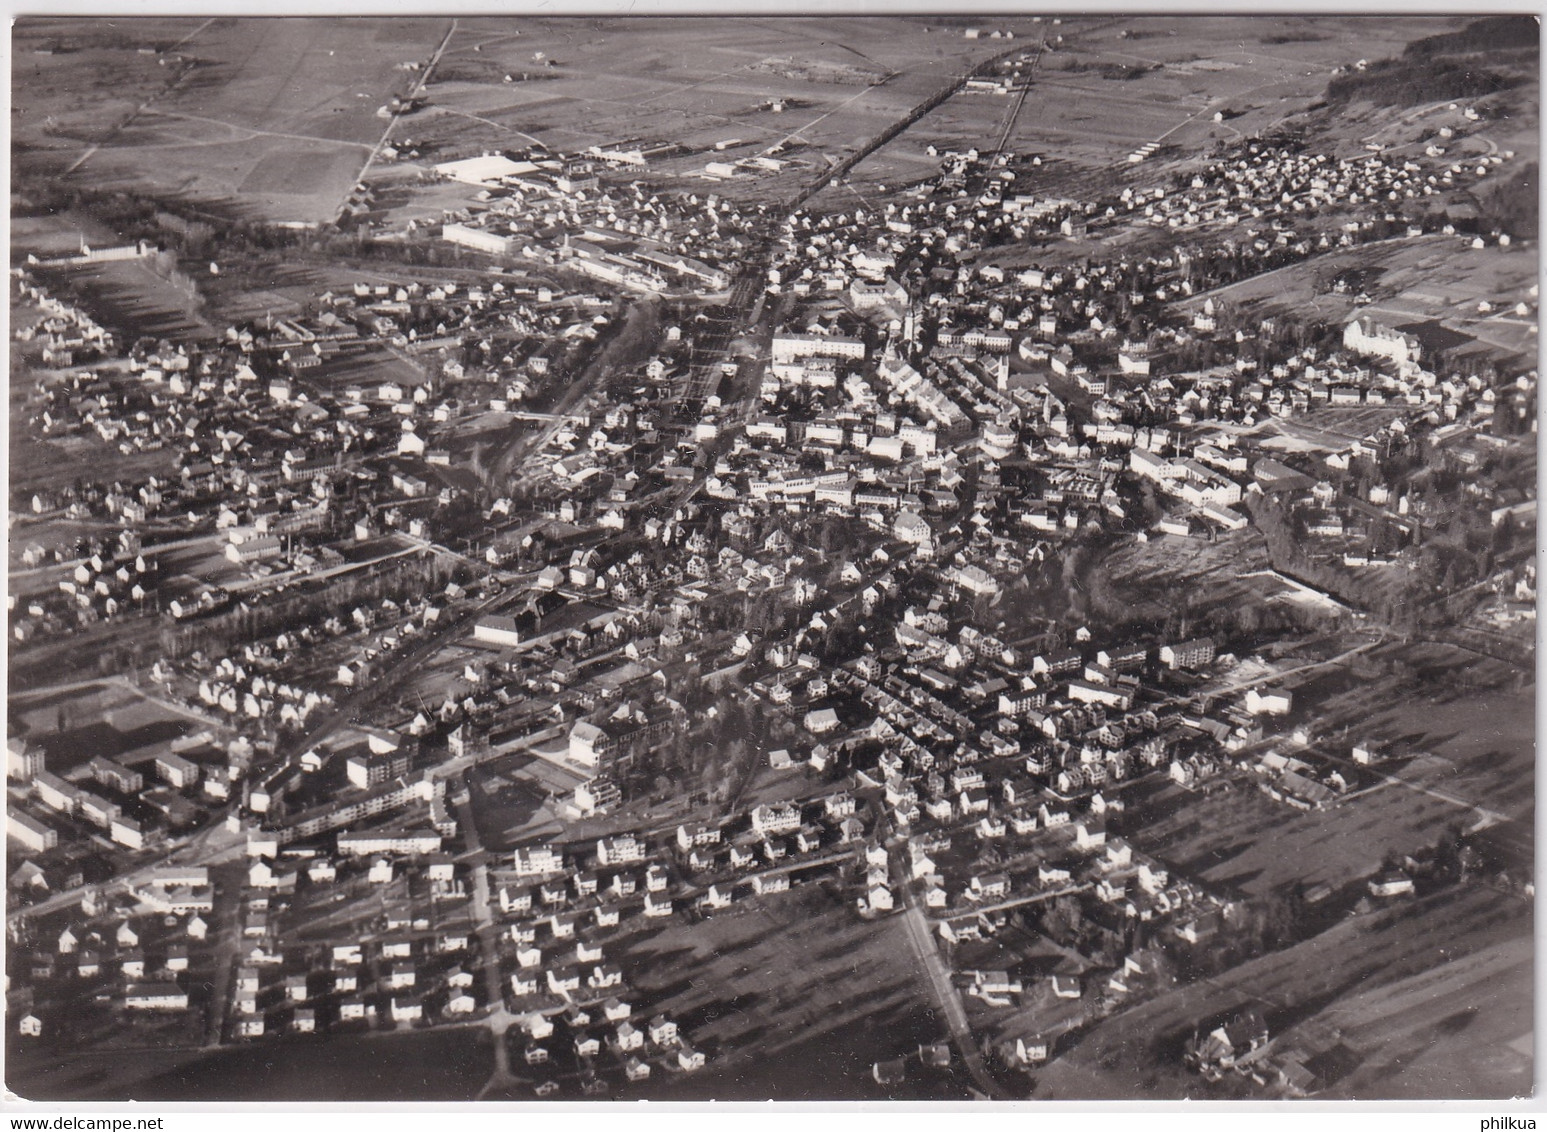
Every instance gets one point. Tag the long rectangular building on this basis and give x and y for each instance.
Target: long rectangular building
(55, 793)
(336, 815)
(476, 238)
(111, 774)
(789, 347)
(402, 841)
(176, 770)
(29, 832)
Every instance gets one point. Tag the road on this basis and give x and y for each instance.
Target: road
(896, 129)
(500, 1019)
(1197, 297)
(1274, 676)
(140, 109)
(241, 585)
(247, 133)
(946, 995)
(214, 540)
(795, 135)
(1485, 817)
(207, 719)
(404, 665)
(1020, 98)
(418, 87)
(433, 110)
(229, 938)
(630, 345)
(1018, 902)
(1223, 102)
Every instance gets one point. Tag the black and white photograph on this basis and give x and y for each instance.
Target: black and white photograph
(906, 555)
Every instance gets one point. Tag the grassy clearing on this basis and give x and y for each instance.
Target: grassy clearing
(791, 996)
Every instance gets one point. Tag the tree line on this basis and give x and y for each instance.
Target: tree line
(1412, 82)
(405, 578)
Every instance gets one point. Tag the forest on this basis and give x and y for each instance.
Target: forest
(1448, 66)
(1404, 82)
(1514, 203)
(1492, 33)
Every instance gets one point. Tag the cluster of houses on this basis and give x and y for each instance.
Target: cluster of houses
(962, 419)
(555, 900)
(609, 1024)
(133, 949)
(1281, 182)
(406, 972)
(68, 335)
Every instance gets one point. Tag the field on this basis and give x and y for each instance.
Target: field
(617, 79)
(440, 1064)
(1456, 722)
(37, 464)
(1414, 1022)
(791, 996)
(581, 83)
(1138, 581)
(195, 109)
(198, 109)
(263, 289)
(1361, 998)
(369, 366)
(109, 719)
(1322, 431)
(1241, 840)
(1458, 729)
(60, 234)
(509, 798)
(138, 297)
(1117, 84)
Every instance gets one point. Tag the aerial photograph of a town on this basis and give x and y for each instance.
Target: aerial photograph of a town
(802, 558)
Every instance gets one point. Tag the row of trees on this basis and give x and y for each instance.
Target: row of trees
(405, 578)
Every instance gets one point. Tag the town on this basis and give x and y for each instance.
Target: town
(639, 617)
